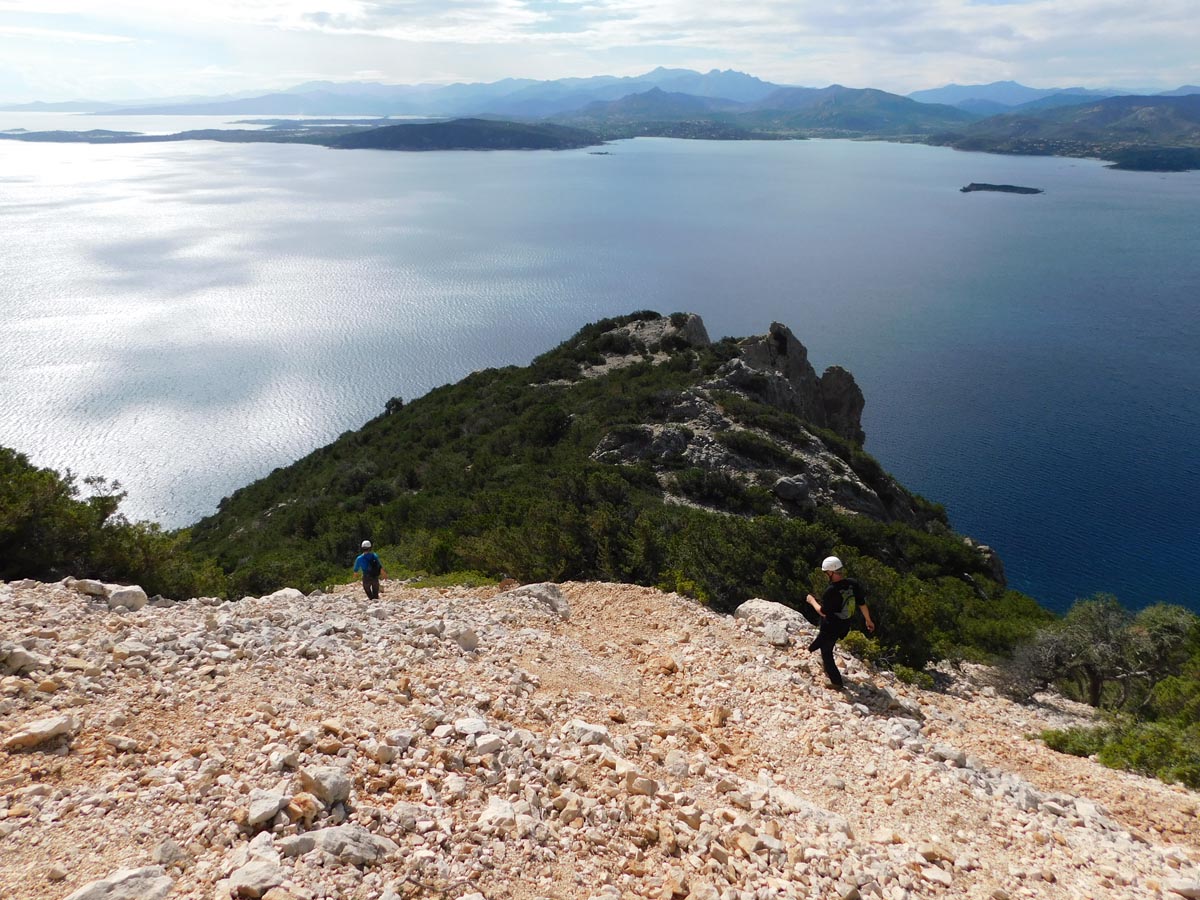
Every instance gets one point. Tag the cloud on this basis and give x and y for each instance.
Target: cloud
(894, 44)
(55, 34)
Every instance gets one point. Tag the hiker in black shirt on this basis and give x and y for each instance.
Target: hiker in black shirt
(836, 607)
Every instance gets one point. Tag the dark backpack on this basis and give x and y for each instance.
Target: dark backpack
(374, 567)
(849, 590)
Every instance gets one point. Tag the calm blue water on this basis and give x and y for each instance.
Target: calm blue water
(186, 317)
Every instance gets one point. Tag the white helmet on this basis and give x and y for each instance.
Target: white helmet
(831, 564)
(366, 545)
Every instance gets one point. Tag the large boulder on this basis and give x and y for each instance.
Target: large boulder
(770, 613)
(130, 596)
(285, 594)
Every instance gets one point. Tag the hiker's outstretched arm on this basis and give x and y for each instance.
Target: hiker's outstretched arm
(867, 617)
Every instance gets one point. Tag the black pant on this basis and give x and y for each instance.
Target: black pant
(371, 586)
(832, 630)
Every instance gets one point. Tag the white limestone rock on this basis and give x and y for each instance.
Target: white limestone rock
(41, 731)
(264, 805)
(285, 595)
(471, 725)
(16, 660)
(149, 883)
(499, 814)
(255, 878)
(770, 613)
(90, 588)
(328, 784)
(467, 639)
(488, 743)
(777, 635)
(948, 754)
(587, 734)
(547, 595)
(127, 649)
(131, 597)
(351, 844)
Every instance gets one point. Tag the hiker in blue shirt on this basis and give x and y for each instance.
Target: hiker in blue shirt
(371, 567)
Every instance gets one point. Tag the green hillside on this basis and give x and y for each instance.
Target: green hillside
(1148, 133)
(586, 465)
(467, 134)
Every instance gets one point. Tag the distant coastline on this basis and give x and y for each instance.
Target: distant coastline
(567, 134)
(456, 134)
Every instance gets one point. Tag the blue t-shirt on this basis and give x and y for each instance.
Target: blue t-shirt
(360, 564)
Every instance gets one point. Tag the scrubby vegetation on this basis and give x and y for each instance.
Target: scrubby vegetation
(51, 526)
(1142, 670)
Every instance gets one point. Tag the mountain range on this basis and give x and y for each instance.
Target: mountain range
(530, 98)
(1134, 130)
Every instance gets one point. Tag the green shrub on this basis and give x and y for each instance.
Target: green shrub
(1157, 749)
(913, 677)
(1076, 741)
(865, 648)
(723, 490)
(755, 448)
(50, 529)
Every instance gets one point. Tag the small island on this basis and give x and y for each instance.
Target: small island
(1002, 188)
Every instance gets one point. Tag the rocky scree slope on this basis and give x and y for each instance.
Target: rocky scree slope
(575, 741)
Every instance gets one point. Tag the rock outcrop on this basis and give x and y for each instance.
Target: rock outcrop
(595, 742)
(775, 367)
(797, 464)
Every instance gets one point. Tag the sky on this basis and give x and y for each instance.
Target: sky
(130, 49)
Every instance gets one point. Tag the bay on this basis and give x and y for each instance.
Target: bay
(185, 317)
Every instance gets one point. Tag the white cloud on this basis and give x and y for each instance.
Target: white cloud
(893, 44)
(54, 34)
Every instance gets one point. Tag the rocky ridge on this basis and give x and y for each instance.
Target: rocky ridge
(800, 469)
(574, 741)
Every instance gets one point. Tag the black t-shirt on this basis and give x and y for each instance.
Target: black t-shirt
(836, 599)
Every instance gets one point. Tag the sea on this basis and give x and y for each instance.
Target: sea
(185, 317)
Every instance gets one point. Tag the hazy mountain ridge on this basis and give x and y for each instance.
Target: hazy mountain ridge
(1005, 93)
(528, 96)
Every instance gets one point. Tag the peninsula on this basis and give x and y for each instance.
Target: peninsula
(457, 134)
